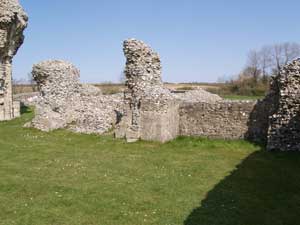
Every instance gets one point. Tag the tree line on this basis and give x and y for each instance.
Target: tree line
(260, 65)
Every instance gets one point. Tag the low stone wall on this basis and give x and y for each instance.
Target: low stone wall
(225, 120)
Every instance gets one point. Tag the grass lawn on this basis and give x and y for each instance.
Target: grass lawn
(242, 97)
(61, 178)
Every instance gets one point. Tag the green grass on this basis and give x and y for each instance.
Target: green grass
(242, 97)
(61, 178)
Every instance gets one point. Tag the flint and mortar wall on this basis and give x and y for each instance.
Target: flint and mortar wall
(284, 129)
(64, 102)
(13, 21)
(150, 110)
(225, 120)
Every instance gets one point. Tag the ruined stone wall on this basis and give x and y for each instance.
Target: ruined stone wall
(284, 122)
(150, 111)
(224, 120)
(274, 121)
(13, 21)
(66, 103)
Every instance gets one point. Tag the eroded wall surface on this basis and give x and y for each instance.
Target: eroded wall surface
(66, 103)
(150, 110)
(13, 21)
(224, 120)
(284, 121)
(274, 120)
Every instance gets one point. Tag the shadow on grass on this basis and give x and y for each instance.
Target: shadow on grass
(263, 190)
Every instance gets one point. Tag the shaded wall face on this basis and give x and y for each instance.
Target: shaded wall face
(3, 69)
(11, 36)
(284, 130)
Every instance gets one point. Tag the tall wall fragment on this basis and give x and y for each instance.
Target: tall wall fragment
(13, 21)
(284, 122)
(151, 111)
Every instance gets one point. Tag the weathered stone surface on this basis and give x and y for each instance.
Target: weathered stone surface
(9, 9)
(65, 103)
(13, 21)
(224, 119)
(258, 122)
(284, 122)
(151, 111)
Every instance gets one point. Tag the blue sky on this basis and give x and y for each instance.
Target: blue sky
(197, 40)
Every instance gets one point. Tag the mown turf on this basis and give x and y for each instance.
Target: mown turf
(61, 178)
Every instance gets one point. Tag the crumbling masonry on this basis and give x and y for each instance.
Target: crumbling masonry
(151, 111)
(66, 103)
(146, 110)
(284, 122)
(154, 113)
(13, 21)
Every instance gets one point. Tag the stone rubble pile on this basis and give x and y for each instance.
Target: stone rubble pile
(65, 103)
(284, 121)
(198, 95)
(13, 21)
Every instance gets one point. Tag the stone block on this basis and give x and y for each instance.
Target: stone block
(160, 126)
